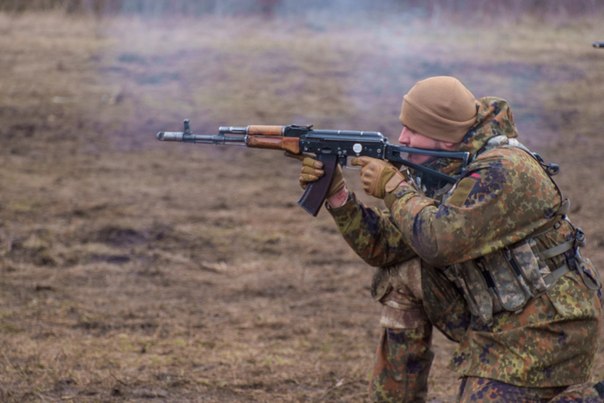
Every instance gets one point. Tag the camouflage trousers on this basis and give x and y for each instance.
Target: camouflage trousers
(402, 365)
(488, 390)
(403, 357)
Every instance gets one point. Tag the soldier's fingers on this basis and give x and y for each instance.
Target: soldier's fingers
(311, 162)
(307, 178)
(368, 172)
(312, 171)
(359, 161)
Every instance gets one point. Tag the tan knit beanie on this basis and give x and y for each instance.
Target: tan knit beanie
(439, 107)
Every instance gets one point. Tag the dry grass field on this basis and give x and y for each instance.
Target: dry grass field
(134, 270)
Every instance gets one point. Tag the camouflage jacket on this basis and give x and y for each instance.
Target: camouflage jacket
(503, 196)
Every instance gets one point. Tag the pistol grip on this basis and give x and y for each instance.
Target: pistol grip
(315, 193)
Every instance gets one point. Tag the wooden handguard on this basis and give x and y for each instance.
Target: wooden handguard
(291, 144)
(265, 130)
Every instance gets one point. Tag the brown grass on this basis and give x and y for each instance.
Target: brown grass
(138, 270)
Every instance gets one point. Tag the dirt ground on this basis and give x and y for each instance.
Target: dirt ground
(134, 270)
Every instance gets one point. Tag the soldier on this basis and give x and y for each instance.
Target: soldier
(492, 261)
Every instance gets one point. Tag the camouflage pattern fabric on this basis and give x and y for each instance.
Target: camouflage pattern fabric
(491, 391)
(444, 305)
(371, 234)
(403, 356)
(402, 365)
(399, 290)
(551, 342)
(503, 196)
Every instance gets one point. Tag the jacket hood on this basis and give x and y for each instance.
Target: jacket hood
(494, 118)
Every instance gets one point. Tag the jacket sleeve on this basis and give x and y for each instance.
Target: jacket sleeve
(371, 233)
(502, 198)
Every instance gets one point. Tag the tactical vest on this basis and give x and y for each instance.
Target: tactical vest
(506, 280)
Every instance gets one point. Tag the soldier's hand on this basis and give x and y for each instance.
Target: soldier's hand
(378, 177)
(312, 170)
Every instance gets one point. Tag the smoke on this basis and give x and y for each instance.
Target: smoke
(333, 63)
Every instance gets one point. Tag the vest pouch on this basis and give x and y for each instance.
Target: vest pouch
(530, 267)
(468, 277)
(511, 289)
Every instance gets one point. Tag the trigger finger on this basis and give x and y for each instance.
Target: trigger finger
(359, 161)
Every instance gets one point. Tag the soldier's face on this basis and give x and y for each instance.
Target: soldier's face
(409, 138)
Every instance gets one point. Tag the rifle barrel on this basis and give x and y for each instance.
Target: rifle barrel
(201, 138)
(169, 136)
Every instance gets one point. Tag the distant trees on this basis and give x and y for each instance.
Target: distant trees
(269, 8)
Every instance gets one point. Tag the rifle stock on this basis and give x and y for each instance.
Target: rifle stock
(329, 146)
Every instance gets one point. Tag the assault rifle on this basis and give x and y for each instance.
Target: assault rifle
(598, 44)
(330, 146)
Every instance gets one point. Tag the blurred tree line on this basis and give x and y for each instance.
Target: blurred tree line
(428, 8)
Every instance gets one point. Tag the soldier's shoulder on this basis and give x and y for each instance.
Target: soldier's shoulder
(506, 157)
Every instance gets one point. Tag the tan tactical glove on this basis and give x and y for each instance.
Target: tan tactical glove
(378, 177)
(312, 170)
